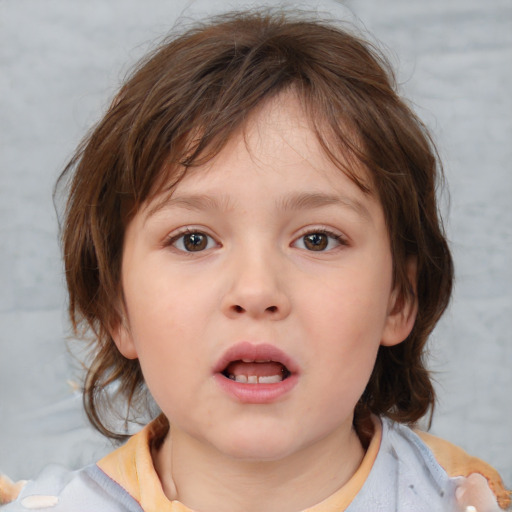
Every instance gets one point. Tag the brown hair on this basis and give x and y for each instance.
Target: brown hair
(180, 106)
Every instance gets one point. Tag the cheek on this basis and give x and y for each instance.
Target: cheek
(159, 302)
(168, 315)
(352, 304)
(346, 317)
(156, 326)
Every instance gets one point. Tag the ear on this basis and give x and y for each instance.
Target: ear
(123, 338)
(402, 309)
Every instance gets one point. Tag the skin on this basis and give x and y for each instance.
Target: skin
(258, 280)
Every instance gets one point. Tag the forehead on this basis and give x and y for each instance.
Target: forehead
(278, 140)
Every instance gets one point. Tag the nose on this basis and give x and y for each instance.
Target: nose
(256, 290)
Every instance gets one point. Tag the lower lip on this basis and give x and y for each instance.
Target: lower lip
(256, 393)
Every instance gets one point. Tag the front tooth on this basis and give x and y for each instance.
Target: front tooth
(252, 379)
(247, 361)
(241, 378)
(270, 379)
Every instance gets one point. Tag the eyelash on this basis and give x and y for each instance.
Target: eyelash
(173, 239)
(340, 240)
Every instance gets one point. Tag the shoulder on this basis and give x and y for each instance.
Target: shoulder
(458, 463)
(57, 489)
(408, 474)
(123, 481)
(437, 469)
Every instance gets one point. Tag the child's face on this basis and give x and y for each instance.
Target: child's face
(267, 252)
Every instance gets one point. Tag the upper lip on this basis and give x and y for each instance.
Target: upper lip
(255, 352)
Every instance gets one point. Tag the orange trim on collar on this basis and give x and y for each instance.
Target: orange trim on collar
(131, 466)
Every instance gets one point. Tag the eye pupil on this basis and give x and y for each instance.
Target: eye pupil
(316, 241)
(195, 241)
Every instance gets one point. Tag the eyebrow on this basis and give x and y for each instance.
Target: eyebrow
(293, 202)
(312, 200)
(194, 202)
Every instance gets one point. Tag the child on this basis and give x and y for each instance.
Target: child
(252, 235)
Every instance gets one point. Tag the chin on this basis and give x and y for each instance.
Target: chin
(258, 444)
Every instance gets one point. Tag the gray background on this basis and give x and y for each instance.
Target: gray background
(60, 63)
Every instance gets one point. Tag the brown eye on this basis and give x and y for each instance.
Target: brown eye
(319, 241)
(316, 241)
(195, 242)
(192, 242)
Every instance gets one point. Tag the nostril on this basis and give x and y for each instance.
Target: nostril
(239, 309)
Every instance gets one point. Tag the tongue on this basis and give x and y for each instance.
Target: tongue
(259, 369)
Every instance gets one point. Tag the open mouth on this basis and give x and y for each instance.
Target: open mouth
(256, 373)
(246, 371)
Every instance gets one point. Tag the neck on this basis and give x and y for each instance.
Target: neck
(207, 480)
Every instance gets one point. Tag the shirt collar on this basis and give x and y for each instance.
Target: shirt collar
(131, 466)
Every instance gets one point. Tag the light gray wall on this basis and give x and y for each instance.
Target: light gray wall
(60, 63)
